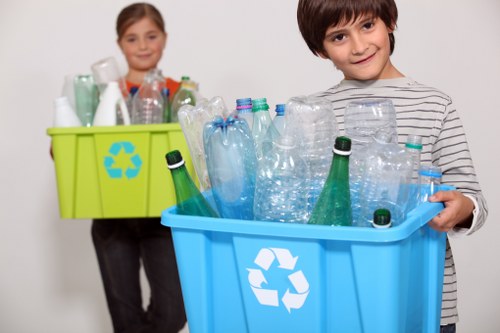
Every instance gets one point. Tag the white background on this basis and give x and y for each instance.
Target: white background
(49, 279)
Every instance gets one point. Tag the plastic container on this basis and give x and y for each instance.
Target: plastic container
(252, 276)
(119, 171)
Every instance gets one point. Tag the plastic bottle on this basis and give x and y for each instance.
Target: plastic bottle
(111, 99)
(130, 98)
(86, 98)
(190, 201)
(382, 218)
(279, 118)
(429, 181)
(334, 203)
(192, 120)
(312, 123)
(414, 147)
(64, 114)
(147, 104)
(280, 194)
(231, 165)
(167, 109)
(184, 95)
(386, 172)
(244, 110)
(262, 123)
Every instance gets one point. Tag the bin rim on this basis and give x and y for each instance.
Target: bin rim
(113, 129)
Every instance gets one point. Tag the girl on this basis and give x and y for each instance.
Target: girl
(122, 244)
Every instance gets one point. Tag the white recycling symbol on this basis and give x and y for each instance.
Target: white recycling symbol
(291, 300)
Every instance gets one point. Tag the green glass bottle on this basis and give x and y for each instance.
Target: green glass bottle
(190, 201)
(382, 218)
(334, 203)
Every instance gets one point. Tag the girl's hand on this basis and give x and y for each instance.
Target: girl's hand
(457, 211)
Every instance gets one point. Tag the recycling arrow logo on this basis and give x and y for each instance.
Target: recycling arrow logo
(122, 161)
(291, 298)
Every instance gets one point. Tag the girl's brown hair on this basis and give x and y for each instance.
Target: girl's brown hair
(135, 12)
(316, 16)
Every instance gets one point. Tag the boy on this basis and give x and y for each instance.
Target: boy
(357, 36)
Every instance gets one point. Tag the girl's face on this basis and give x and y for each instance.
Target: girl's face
(360, 49)
(142, 44)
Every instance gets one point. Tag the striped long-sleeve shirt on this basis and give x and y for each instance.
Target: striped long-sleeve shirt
(429, 113)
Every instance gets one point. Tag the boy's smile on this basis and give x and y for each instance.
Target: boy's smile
(360, 49)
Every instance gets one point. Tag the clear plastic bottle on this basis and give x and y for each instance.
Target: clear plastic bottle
(312, 123)
(334, 203)
(386, 172)
(429, 181)
(185, 95)
(244, 110)
(414, 147)
(130, 98)
(279, 118)
(262, 122)
(280, 194)
(190, 201)
(231, 164)
(147, 104)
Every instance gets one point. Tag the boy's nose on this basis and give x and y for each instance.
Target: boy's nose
(359, 46)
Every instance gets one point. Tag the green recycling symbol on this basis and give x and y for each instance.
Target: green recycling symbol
(122, 161)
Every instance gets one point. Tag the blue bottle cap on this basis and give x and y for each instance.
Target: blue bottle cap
(280, 109)
(430, 171)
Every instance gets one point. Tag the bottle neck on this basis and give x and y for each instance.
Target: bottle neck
(184, 185)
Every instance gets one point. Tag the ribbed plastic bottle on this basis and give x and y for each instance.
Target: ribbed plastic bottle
(382, 218)
(279, 118)
(312, 123)
(262, 123)
(147, 104)
(429, 181)
(244, 110)
(190, 201)
(387, 171)
(334, 203)
(231, 165)
(414, 147)
(185, 95)
(280, 189)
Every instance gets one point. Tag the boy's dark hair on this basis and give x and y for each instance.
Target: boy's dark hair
(135, 12)
(316, 16)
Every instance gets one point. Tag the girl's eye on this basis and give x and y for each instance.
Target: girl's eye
(130, 39)
(152, 37)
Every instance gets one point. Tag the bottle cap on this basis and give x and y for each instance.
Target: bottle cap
(259, 104)
(342, 145)
(381, 218)
(174, 159)
(185, 78)
(165, 92)
(430, 171)
(414, 141)
(280, 109)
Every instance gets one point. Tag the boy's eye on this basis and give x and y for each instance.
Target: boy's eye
(368, 25)
(338, 37)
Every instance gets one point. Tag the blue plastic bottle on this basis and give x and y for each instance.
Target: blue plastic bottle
(244, 110)
(281, 187)
(231, 165)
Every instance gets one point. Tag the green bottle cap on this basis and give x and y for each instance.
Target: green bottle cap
(174, 159)
(382, 218)
(185, 78)
(259, 104)
(342, 143)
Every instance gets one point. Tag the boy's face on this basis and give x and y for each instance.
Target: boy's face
(360, 49)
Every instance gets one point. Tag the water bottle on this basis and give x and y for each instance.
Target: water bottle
(429, 181)
(192, 120)
(111, 102)
(262, 122)
(244, 110)
(386, 172)
(414, 148)
(279, 118)
(147, 104)
(312, 123)
(231, 164)
(334, 203)
(190, 201)
(185, 95)
(280, 189)
(167, 109)
(86, 98)
(382, 218)
(128, 102)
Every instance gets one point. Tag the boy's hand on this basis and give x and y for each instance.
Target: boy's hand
(457, 210)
